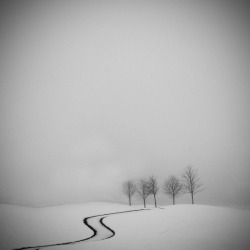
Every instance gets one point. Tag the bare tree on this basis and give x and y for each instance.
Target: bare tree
(143, 190)
(129, 189)
(173, 187)
(153, 187)
(191, 181)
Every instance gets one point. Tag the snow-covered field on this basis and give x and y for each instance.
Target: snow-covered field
(194, 227)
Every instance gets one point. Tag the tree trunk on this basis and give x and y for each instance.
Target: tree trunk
(129, 201)
(192, 198)
(144, 203)
(173, 200)
(155, 200)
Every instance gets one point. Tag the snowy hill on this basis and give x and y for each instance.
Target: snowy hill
(115, 226)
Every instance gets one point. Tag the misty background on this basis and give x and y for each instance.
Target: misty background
(93, 93)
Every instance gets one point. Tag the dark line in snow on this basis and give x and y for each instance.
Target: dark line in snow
(85, 221)
(112, 231)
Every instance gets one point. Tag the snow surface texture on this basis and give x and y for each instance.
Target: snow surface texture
(195, 227)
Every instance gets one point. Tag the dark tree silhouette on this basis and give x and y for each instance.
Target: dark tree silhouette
(153, 187)
(143, 190)
(191, 182)
(129, 189)
(173, 187)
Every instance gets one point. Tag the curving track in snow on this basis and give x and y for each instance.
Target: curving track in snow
(95, 223)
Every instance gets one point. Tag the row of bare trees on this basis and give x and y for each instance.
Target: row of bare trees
(172, 187)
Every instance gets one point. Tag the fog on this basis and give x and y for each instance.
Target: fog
(93, 93)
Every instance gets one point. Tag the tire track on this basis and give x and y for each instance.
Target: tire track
(91, 227)
(108, 228)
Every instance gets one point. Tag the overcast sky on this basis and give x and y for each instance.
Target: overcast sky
(93, 93)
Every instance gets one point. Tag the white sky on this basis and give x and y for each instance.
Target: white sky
(95, 92)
